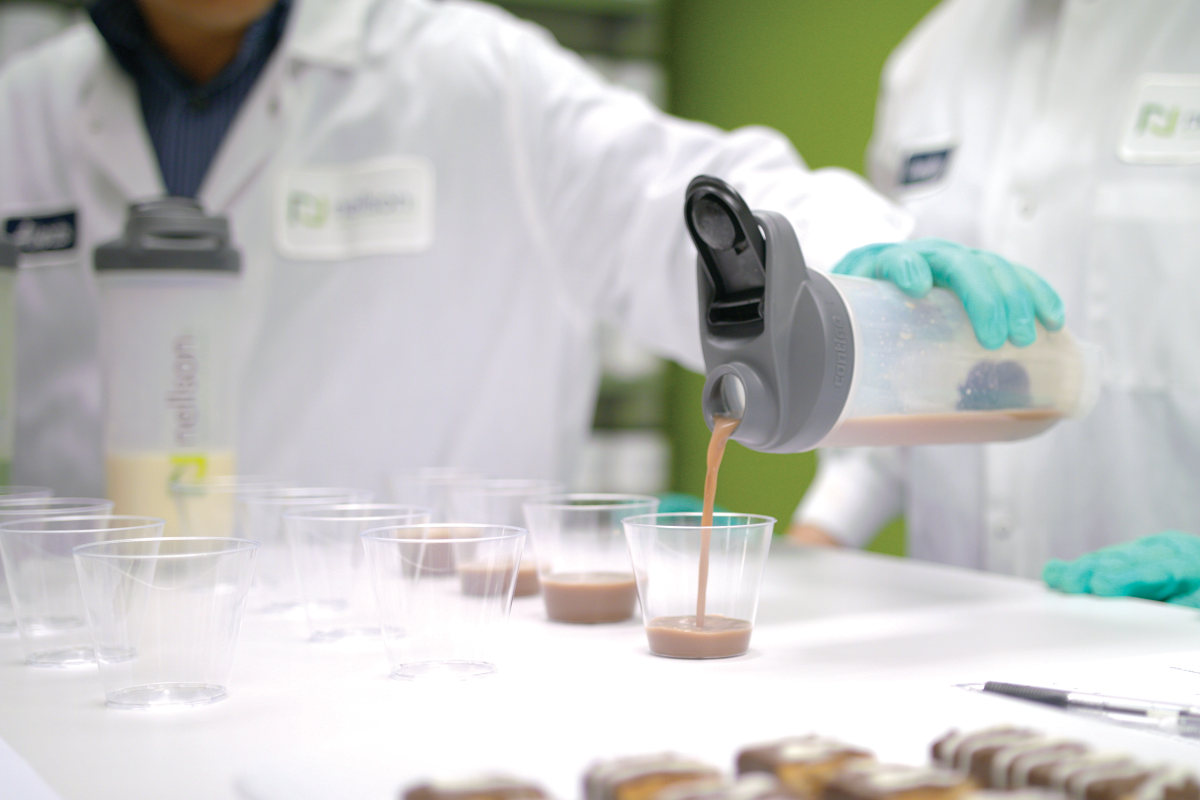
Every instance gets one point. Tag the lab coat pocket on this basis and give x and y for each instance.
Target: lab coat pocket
(1144, 283)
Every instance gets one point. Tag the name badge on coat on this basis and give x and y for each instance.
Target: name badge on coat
(1163, 124)
(374, 207)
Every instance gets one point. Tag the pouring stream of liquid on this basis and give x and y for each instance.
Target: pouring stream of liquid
(723, 428)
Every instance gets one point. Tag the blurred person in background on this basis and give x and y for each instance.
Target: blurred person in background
(1065, 136)
(435, 205)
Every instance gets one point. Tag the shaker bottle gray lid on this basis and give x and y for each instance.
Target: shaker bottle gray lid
(170, 233)
(8, 254)
(777, 338)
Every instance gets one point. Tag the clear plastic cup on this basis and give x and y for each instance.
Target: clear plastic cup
(331, 564)
(44, 585)
(31, 502)
(8, 494)
(583, 561)
(208, 506)
(501, 501)
(275, 587)
(440, 622)
(164, 615)
(432, 488)
(682, 619)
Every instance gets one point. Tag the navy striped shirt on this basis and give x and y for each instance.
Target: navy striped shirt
(186, 121)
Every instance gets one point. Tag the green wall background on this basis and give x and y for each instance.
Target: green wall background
(809, 68)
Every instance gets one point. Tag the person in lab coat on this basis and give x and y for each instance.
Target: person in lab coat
(435, 205)
(1064, 135)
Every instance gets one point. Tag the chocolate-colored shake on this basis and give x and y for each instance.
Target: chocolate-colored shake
(589, 597)
(712, 635)
(490, 579)
(681, 637)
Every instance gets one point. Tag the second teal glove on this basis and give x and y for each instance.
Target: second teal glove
(1002, 299)
(1164, 566)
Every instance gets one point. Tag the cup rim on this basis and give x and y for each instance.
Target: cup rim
(649, 520)
(508, 487)
(614, 500)
(313, 512)
(25, 492)
(302, 493)
(145, 522)
(227, 483)
(82, 504)
(242, 546)
(509, 532)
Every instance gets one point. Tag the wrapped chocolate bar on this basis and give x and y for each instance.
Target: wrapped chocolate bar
(973, 753)
(484, 787)
(641, 777)
(803, 764)
(865, 780)
(756, 786)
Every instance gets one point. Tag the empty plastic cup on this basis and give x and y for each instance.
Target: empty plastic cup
(208, 506)
(583, 561)
(9, 494)
(331, 564)
(275, 588)
(692, 608)
(501, 501)
(440, 621)
(44, 585)
(164, 615)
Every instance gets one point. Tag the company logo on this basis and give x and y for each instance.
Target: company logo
(927, 167)
(42, 234)
(841, 350)
(1167, 121)
(182, 398)
(311, 210)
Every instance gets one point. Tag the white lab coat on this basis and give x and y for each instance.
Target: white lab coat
(1063, 157)
(546, 201)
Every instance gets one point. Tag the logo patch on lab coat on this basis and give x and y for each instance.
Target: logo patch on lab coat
(925, 168)
(1163, 123)
(42, 234)
(364, 208)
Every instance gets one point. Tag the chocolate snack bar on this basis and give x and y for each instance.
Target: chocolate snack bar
(803, 764)
(641, 777)
(864, 780)
(485, 787)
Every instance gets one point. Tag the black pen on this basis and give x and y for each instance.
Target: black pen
(1182, 720)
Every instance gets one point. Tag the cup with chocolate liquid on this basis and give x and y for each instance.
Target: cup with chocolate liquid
(443, 600)
(500, 501)
(583, 561)
(699, 584)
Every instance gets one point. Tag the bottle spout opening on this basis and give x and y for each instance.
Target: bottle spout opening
(727, 397)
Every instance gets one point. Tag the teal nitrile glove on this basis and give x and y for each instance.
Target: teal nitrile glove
(1001, 298)
(679, 503)
(1164, 566)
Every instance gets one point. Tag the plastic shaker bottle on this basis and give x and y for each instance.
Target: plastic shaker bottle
(808, 360)
(167, 293)
(8, 355)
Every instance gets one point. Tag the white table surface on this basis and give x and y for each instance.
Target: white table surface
(866, 648)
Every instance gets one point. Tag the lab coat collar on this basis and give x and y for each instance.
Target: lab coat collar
(328, 31)
(112, 132)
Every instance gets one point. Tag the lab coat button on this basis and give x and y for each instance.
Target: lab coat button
(273, 106)
(1026, 208)
(1001, 533)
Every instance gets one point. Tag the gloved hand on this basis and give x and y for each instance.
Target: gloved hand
(1001, 298)
(679, 503)
(1164, 566)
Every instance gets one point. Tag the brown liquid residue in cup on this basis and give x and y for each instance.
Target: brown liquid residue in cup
(492, 579)
(681, 637)
(589, 597)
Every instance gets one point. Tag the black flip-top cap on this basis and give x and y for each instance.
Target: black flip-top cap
(170, 233)
(8, 254)
(777, 338)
